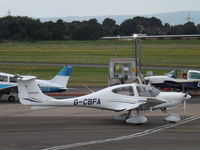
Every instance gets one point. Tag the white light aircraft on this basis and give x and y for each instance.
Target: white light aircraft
(8, 83)
(191, 83)
(125, 97)
(158, 81)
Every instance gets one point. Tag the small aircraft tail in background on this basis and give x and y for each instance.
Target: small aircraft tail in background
(29, 92)
(172, 74)
(62, 77)
(8, 87)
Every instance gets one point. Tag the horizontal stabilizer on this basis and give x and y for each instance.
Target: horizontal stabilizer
(26, 78)
(42, 107)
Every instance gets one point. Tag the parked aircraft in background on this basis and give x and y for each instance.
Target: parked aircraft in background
(8, 83)
(158, 81)
(191, 83)
(124, 97)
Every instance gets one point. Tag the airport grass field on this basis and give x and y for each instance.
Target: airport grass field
(183, 53)
(79, 77)
(178, 53)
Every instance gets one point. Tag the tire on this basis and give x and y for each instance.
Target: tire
(11, 98)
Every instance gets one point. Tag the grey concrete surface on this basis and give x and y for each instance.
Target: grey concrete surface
(25, 129)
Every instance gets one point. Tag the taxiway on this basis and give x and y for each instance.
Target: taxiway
(85, 129)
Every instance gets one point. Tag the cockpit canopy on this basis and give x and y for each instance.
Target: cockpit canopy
(3, 78)
(193, 74)
(142, 90)
(8, 78)
(147, 91)
(126, 90)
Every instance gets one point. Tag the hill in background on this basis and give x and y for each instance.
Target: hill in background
(173, 18)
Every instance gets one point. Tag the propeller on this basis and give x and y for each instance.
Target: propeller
(186, 97)
(184, 103)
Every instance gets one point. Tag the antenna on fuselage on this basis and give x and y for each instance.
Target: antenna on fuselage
(88, 88)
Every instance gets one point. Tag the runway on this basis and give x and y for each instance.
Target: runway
(88, 129)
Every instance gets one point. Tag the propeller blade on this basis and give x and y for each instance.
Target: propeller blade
(184, 106)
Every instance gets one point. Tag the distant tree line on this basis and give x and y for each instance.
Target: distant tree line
(25, 28)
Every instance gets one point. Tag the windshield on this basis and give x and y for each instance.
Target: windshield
(4, 78)
(13, 79)
(194, 75)
(147, 91)
(127, 90)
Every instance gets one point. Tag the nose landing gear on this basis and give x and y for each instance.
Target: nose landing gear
(172, 118)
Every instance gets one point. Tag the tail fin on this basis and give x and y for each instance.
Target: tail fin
(30, 93)
(172, 74)
(63, 76)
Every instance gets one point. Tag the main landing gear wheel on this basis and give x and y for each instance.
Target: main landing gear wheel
(138, 119)
(11, 99)
(132, 119)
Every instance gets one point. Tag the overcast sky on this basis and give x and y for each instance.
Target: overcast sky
(62, 8)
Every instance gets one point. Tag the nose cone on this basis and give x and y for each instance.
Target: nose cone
(174, 96)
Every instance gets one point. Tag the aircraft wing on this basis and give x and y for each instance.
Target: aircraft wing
(9, 89)
(184, 80)
(187, 84)
(146, 105)
(151, 101)
(154, 101)
(135, 106)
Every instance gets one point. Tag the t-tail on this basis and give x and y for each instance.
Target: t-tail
(63, 76)
(30, 93)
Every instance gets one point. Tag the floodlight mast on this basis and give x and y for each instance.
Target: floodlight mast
(136, 55)
(136, 38)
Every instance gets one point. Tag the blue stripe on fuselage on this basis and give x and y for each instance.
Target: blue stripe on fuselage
(43, 89)
(31, 100)
(192, 85)
(51, 89)
(5, 85)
